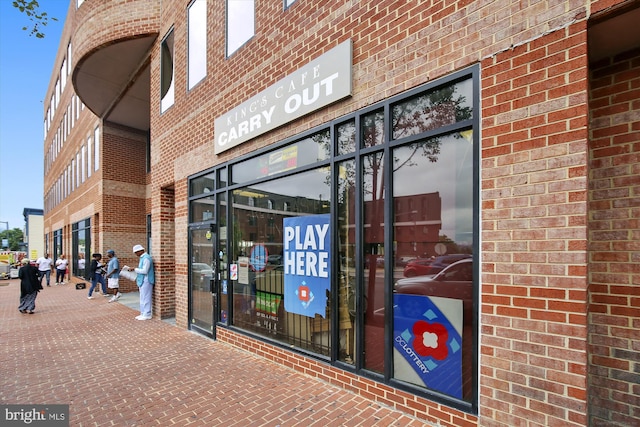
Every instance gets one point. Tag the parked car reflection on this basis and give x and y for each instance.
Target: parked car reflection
(201, 274)
(430, 266)
(453, 281)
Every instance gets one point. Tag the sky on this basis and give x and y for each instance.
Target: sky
(26, 65)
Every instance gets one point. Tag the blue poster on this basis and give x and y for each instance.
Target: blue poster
(307, 266)
(429, 340)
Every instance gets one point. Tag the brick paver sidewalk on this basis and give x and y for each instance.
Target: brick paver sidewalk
(114, 370)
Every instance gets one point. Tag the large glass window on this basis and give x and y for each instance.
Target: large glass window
(57, 244)
(197, 38)
(372, 265)
(265, 260)
(433, 292)
(240, 23)
(81, 250)
(346, 198)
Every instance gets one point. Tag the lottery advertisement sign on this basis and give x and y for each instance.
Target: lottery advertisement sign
(428, 347)
(307, 264)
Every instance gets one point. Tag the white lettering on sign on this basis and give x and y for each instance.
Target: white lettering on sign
(319, 83)
(305, 251)
(245, 127)
(296, 100)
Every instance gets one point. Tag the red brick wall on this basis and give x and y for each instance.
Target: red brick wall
(534, 233)
(614, 251)
(123, 207)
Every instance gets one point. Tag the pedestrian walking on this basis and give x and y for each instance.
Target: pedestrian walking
(113, 275)
(30, 285)
(61, 269)
(96, 271)
(44, 267)
(145, 280)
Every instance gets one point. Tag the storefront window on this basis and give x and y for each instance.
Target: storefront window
(203, 209)
(57, 244)
(373, 129)
(202, 185)
(81, 241)
(347, 254)
(373, 263)
(434, 109)
(433, 289)
(263, 249)
(346, 137)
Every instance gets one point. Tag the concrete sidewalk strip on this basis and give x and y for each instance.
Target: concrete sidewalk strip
(113, 370)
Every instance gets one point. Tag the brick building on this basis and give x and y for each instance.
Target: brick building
(285, 161)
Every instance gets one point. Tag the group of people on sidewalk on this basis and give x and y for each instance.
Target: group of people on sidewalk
(45, 265)
(98, 273)
(31, 278)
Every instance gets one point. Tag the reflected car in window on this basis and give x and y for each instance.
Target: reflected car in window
(431, 266)
(454, 281)
(274, 259)
(201, 274)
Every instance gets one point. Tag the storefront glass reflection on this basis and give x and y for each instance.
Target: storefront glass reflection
(433, 264)
(260, 213)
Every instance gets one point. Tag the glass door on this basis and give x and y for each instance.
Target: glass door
(203, 278)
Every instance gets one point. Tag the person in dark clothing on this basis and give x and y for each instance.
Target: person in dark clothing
(96, 271)
(29, 286)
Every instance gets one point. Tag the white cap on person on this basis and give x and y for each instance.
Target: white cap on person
(137, 248)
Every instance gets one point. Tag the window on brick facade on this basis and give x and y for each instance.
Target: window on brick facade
(68, 59)
(197, 59)
(57, 243)
(240, 23)
(166, 73)
(83, 159)
(96, 148)
(89, 155)
(80, 247)
(79, 167)
(288, 3)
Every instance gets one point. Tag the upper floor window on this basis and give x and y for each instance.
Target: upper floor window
(96, 147)
(197, 61)
(288, 3)
(166, 73)
(240, 23)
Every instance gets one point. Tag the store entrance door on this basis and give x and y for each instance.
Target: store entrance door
(203, 279)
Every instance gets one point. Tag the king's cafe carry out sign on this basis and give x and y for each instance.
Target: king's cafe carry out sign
(321, 82)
